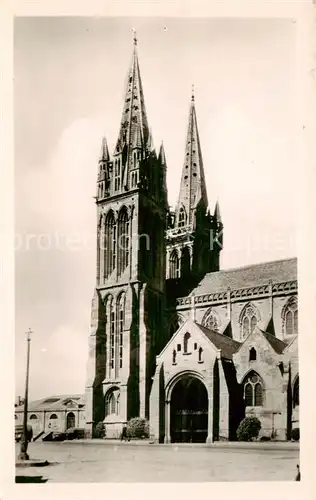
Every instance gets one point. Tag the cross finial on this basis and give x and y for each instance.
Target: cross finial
(192, 92)
(28, 334)
(134, 36)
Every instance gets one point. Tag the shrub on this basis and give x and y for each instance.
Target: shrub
(296, 434)
(138, 428)
(99, 431)
(248, 429)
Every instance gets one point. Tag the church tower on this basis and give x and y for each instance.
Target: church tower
(194, 236)
(126, 330)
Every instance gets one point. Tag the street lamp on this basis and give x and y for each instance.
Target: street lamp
(24, 440)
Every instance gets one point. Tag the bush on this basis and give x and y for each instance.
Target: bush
(138, 428)
(99, 431)
(295, 434)
(248, 429)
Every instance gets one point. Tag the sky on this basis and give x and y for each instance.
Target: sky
(69, 82)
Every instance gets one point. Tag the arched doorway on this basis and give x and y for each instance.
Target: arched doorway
(71, 420)
(189, 411)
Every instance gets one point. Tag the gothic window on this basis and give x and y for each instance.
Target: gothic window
(252, 354)
(109, 244)
(174, 356)
(186, 342)
(290, 317)
(200, 355)
(98, 253)
(185, 262)
(120, 327)
(174, 265)
(112, 402)
(112, 337)
(123, 241)
(296, 393)
(182, 217)
(211, 320)
(253, 390)
(117, 174)
(248, 319)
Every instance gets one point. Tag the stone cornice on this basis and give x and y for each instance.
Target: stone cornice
(238, 295)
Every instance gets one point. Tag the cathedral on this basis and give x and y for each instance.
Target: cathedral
(173, 338)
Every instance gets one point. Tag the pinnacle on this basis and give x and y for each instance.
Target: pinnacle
(162, 155)
(104, 153)
(217, 214)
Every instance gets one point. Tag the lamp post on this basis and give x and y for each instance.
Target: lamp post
(24, 440)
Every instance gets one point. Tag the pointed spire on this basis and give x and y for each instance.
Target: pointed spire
(193, 186)
(217, 214)
(134, 117)
(104, 153)
(150, 142)
(162, 155)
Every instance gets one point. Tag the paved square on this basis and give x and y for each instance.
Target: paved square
(128, 462)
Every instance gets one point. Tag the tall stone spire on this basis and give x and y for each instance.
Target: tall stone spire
(192, 187)
(134, 125)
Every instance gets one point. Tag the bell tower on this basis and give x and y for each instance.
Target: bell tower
(126, 329)
(194, 236)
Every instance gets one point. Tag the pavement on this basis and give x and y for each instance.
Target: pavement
(115, 461)
(232, 445)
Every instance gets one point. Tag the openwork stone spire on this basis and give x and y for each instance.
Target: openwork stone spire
(192, 187)
(134, 125)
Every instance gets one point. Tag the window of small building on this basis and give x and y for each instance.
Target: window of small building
(252, 354)
(253, 390)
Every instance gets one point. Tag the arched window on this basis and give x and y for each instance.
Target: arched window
(290, 317)
(53, 417)
(174, 265)
(33, 417)
(71, 420)
(200, 354)
(252, 354)
(112, 402)
(117, 174)
(174, 357)
(248, 319)
(109, 244)
(120, 327)
(112, 336)
(185, 262)
(123, 241)
(182, 217)
(99, 229)
(211, 320)
(186, 342)
(253, 390)
(296, 393)
(15, 416)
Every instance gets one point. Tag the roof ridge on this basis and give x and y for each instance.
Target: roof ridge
(252, 265)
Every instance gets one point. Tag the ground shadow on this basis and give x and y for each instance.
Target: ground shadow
(30, 479)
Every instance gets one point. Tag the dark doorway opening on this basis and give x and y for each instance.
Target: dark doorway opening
(189, 411)
(71, 420)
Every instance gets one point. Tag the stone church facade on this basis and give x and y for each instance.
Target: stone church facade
(173, 338)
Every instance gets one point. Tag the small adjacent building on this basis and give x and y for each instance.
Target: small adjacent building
(54, 413)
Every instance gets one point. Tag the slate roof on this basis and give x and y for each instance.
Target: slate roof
(227, 346)
(277, 344)
(54, 403)
(242, 277)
